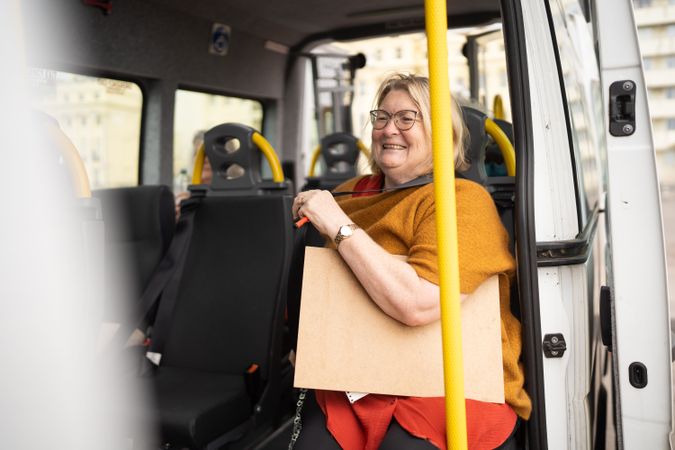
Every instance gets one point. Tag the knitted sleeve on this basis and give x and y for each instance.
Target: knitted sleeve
(483, 240)
(423, 254)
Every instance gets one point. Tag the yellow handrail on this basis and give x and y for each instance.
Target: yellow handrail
(264, 146)
(446, 222)
(73, 160)
(271, 155)
(315, 159)
(498, 107)
(504, 144)
(317, 153)
(199, 165)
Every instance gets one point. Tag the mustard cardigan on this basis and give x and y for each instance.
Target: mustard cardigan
(403, 222)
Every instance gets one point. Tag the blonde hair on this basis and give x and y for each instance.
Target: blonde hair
(417, 87)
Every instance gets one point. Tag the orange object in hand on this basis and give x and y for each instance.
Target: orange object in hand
(301, 222)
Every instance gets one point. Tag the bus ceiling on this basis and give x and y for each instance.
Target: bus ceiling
(295, 23)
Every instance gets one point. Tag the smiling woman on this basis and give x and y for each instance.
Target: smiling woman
(402, 146)
(367, 229)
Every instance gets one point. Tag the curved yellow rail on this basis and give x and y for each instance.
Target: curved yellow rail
(199, 165)
(504, 144)
(446, 223)
(498, 107)
(73, 161)
(271, 155)
(317, 153)
(264, 146)
(315, 159)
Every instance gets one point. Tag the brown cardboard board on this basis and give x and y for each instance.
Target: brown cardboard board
(346, 342)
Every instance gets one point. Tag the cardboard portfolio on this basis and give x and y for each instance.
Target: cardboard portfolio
(347, 343)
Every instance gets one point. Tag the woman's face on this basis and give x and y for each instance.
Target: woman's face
(402, 155)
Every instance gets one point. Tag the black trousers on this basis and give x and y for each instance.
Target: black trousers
(315, 435)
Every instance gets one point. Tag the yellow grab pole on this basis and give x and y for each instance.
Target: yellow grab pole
(317, 153)
(73, 161)
(315, 159)
(199, 165)
(446, 222)
(498, 107)
(272, 158)
(504, 144)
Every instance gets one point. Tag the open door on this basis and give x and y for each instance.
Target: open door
(637, 303)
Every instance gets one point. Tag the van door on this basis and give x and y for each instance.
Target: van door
(568, 147)
(640, 333)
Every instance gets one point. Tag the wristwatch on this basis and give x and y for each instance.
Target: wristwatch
(345, 232)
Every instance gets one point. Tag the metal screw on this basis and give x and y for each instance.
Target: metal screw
(554, 340)
(628, 128)
(627, 86)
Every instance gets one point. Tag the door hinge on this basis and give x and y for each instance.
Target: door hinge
(554, 345)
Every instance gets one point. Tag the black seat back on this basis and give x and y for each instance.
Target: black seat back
(478, 141)
(232, 294)
(139, 225)
(340, 153)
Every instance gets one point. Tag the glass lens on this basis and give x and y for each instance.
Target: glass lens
(379, 118)
(405, 119)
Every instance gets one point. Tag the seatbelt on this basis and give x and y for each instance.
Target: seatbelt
(166, 281)
(419, 181)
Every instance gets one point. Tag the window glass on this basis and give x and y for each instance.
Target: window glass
(670, 92)
(584, 101)
(196, 113)
(492, 80)
(671, 124)
(101, 116)
(642, 3)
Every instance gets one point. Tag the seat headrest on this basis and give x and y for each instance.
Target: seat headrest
(477, 144)
(340, 152)
(236, 160)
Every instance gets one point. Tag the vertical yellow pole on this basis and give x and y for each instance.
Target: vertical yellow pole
(446, 221)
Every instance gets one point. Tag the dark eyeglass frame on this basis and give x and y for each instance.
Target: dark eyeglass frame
(396, 116)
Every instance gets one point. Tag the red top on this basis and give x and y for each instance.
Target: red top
(362, 425)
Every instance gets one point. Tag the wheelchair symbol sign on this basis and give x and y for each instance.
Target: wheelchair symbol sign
(220, 39)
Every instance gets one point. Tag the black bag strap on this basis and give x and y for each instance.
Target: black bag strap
(164, 287)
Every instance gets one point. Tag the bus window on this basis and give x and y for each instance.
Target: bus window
(492, 80)
(584, 100)
(197, 112)
(404, 53)
(102, 116)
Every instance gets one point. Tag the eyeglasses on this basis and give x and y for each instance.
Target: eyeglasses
(404, 120)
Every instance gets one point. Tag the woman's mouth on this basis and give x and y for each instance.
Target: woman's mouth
(393, 147)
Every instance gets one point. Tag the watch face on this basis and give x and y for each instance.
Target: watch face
(346, 230)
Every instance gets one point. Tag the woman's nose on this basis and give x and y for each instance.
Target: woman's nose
(391, 127)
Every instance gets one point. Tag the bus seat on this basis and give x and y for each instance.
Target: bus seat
(139, 225)
(478, 140)
(340, 152)
(237, 162)
(220, 335)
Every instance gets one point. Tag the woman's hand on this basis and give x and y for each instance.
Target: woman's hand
(322, 210)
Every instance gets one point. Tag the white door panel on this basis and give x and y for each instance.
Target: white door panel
(638, 278)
